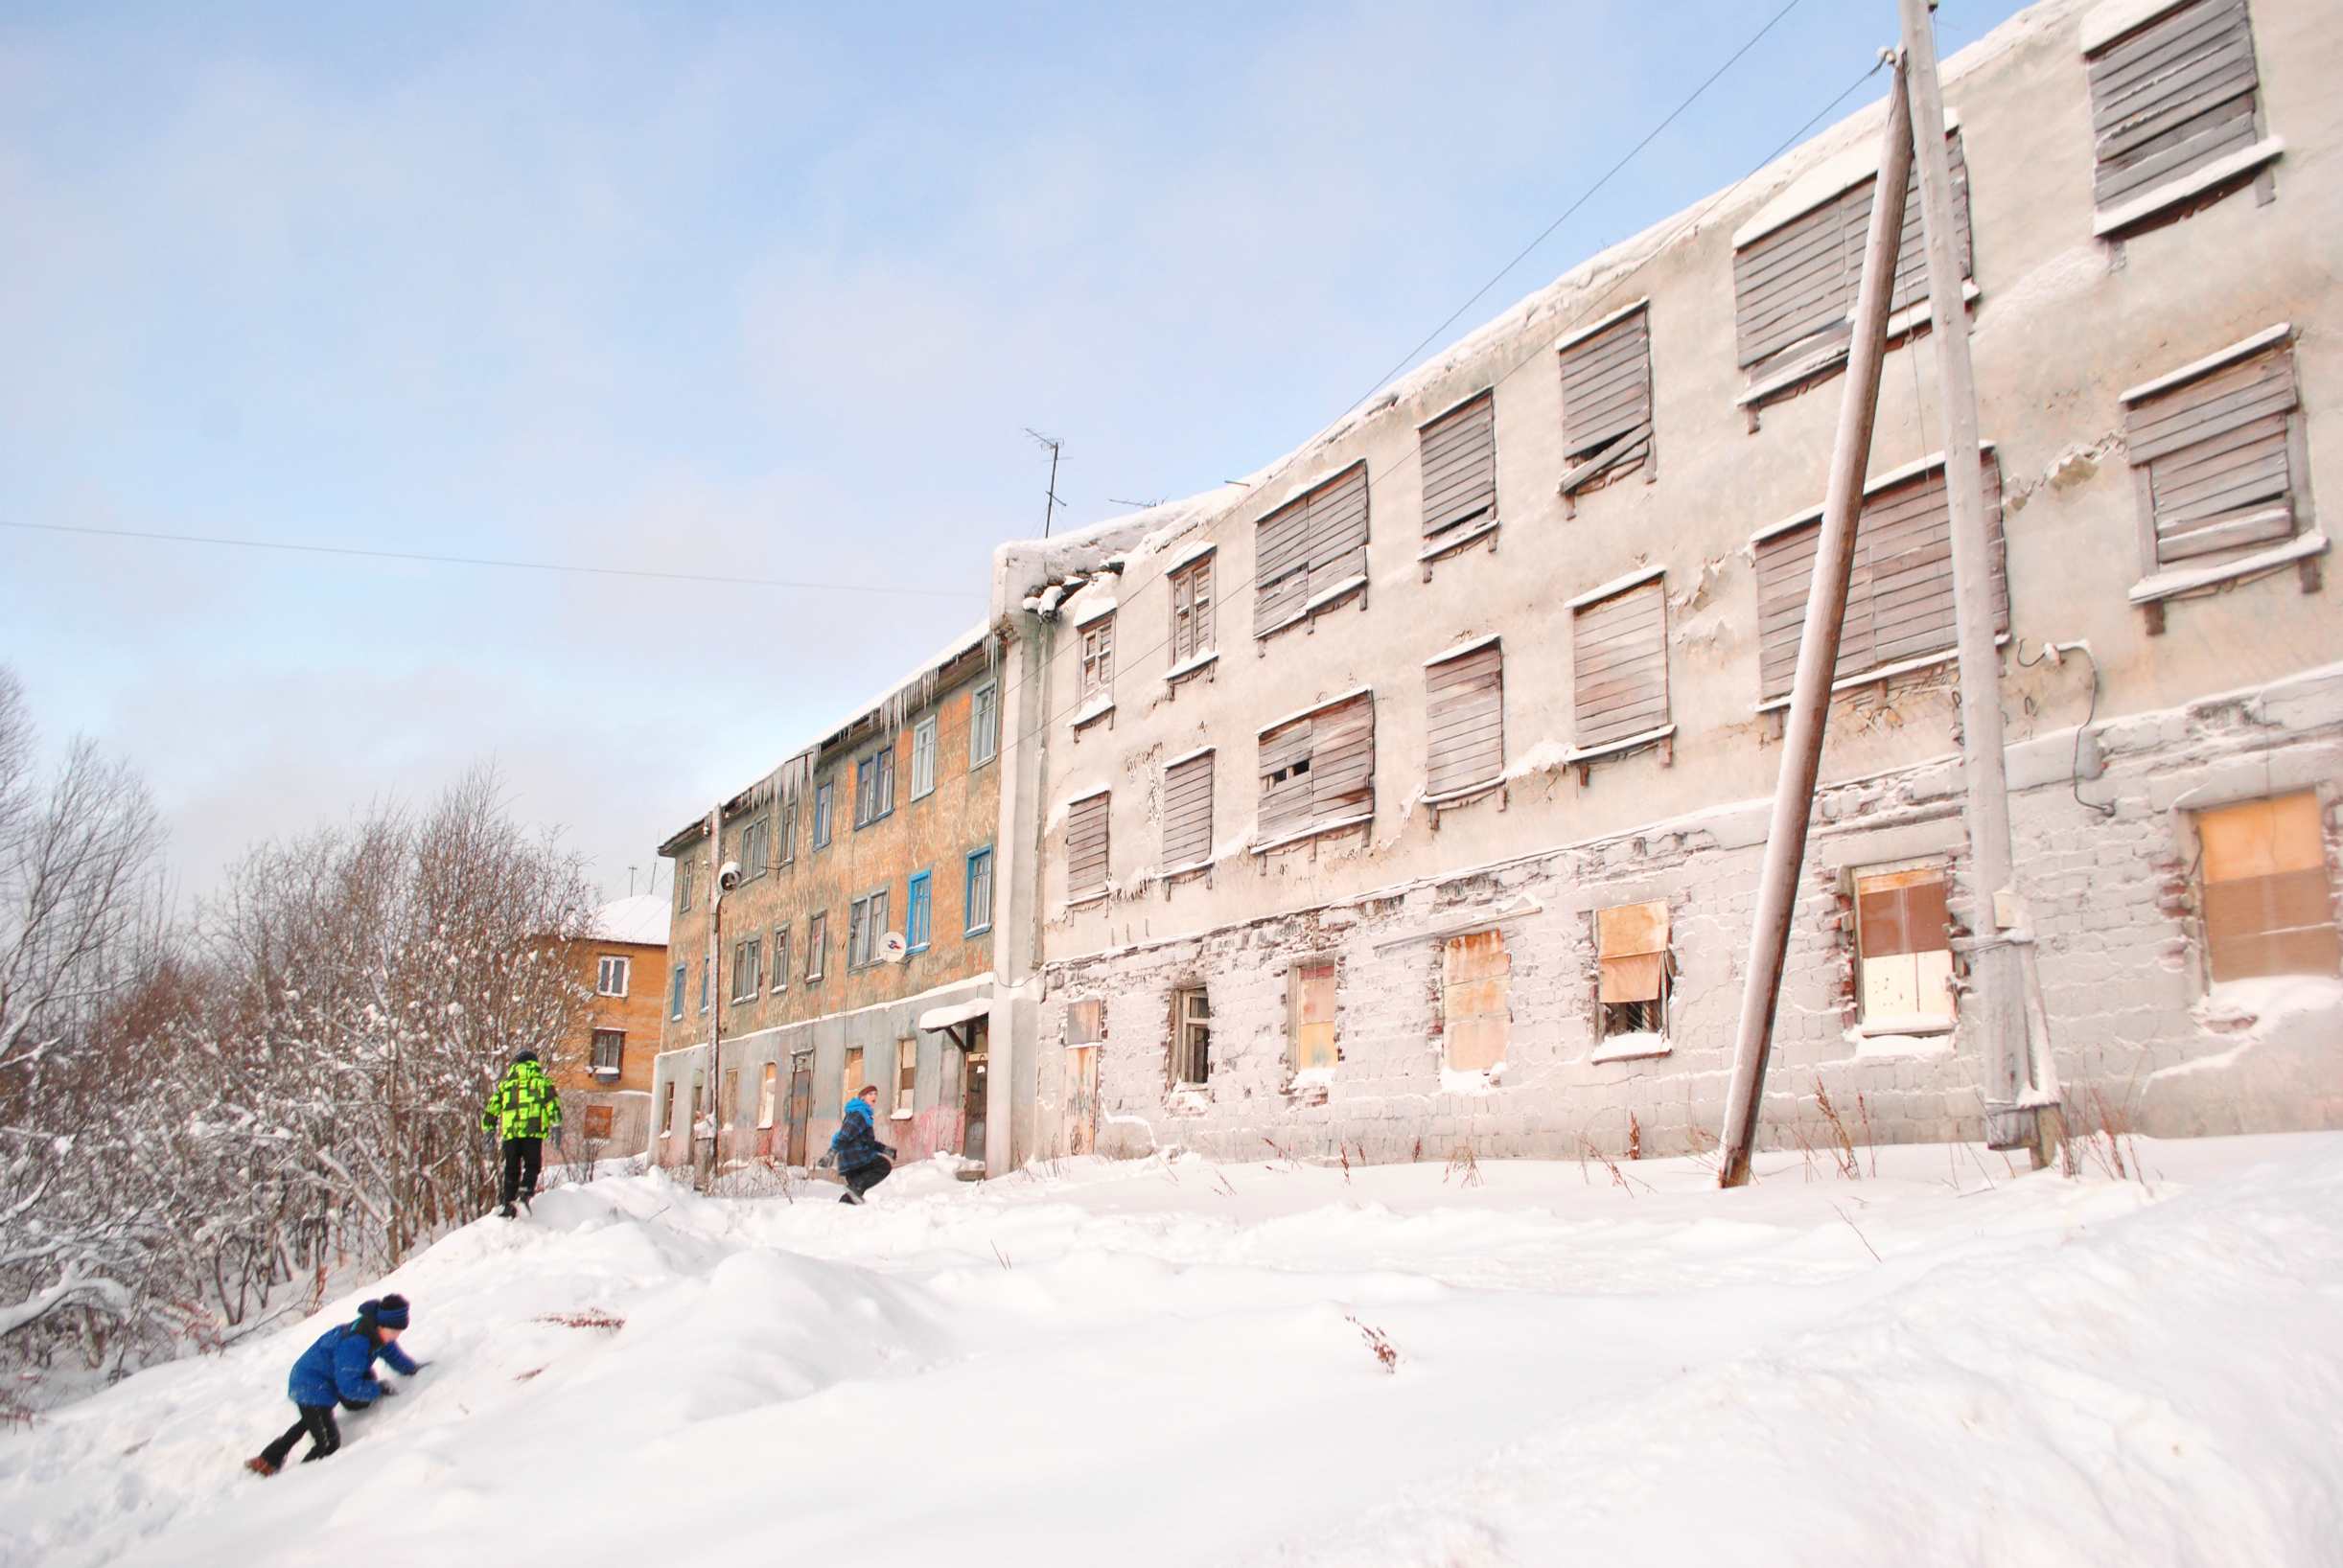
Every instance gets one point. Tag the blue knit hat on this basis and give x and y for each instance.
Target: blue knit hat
(390, 1312)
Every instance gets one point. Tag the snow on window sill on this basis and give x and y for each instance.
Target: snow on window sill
(1194, 664)
(1335, 595)
(1310, 1077)
(1611, 748)
(978, 930)
(1457, 538)
(1901, 324)
(2115, 219)
(1921, 1036)
(1885, 671)
(1317, 830)
(1630, 1047)
(2167, 585)
(1471, 1080)
(898, 1116)
(1092, 711)
(1449, 799)
(1086, 900)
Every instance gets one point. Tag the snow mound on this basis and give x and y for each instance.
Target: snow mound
(1949, 1361)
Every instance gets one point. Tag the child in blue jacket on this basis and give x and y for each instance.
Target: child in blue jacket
(856, 1151)
(340, 1367)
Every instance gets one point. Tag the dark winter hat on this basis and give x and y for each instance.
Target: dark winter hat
(525, 1056)
(390, 1312)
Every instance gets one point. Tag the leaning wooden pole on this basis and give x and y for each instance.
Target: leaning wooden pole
(1994, 1010)
(1818, 648)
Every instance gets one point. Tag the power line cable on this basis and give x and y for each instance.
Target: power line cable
(428, 558)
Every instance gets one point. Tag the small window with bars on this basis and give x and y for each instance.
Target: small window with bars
(1630, 943)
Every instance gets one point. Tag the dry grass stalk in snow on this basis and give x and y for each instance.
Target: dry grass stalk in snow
(1379, 1343)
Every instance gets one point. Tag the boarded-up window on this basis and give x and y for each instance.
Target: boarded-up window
(2269, 901)
(1793, 286)
(666, 1110)
(768, 1093)
(1632, 947)
(1899, 596)
(1465, 719)
(1098, 658)
(598, 1118)
(1188, 812)
(1310, 552)
(1192, 610)
(1903, 946)
(1459, 462)
(729, 1105)
(1310, 1014)
(1619, 666)
(1086, 846)
(851, 1082)
(2172, 99)
(2216, 471)
(1475, 976)
(1087, 1022)
(1318, 771)
(1607, 401)
(1191, 1037)
(906, 1074)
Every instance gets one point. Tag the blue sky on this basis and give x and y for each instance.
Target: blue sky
(746, 291)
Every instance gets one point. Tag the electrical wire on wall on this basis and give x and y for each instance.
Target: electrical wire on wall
(2051, 654)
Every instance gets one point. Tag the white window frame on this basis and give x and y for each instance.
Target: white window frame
(984, 723)
(612, 973)
(923, 759)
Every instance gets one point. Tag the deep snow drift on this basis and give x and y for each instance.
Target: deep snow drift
(1157, 1363)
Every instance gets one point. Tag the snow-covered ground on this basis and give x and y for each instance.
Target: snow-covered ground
(1158, 1363)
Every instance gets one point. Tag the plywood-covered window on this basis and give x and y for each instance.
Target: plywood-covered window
(1795, 284)
(1310, 1015)
(727, 1103)
(1191, 1066)
(2175, 105)
(1458, 451)
(1903, 949)
(2268, 897)
(1192, 612)
(1619, 666)
(850, 1081)
(1086, 846)
(1475, 981)
(1899, 596)
(1607, 399)
(599, 1120)
(906, 1076)
(1631, 949)
(1311, 553)
(1188, 812)
(1464, 701)
(768, 1094)
(2213, 449)
(1317, 772)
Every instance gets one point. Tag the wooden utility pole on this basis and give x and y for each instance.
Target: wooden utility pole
(1818, 649)
(1994, 1009)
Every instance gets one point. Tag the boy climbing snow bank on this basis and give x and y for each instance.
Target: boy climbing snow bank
(339, 1367)
(855, 1149)
(521, 1109)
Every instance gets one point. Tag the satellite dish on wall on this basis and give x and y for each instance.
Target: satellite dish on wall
(892, 948)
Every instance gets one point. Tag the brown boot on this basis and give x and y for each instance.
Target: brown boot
(260, 1466)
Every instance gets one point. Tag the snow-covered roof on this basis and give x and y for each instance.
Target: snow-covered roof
(641, 919)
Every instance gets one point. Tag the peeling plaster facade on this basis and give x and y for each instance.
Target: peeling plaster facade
(2185, 701)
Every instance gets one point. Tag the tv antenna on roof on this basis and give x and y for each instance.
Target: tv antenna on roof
(1049, 511)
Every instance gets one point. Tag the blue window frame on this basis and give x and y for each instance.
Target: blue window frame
(976, 897)
(916, 908)
(675, 992)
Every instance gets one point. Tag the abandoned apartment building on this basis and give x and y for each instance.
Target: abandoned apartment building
(1409, 795)
(882, 829)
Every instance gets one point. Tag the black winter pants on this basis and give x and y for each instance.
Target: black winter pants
(522, 1157)
(862, 1178)
(317, 1423)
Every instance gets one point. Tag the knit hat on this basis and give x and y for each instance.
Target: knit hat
(525, 1056)
(390, 1312)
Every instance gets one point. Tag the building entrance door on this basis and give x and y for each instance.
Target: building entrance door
(800, 1104)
